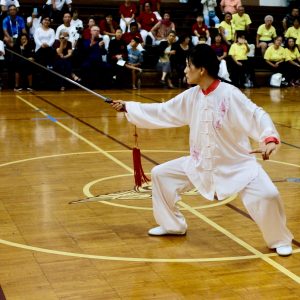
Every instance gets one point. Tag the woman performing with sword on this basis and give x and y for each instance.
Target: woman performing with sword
(221, 120)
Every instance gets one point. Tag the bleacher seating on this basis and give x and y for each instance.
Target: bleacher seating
(183, 16)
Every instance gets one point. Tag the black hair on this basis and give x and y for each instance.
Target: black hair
(136, 39)
(45, 17)
(287, 43)
(172, 31)
(12, 5)
(133, 24)
(183, 37)
(241, 33)
(296, 19)
(147, 2)
(204, 56)
(212, 23)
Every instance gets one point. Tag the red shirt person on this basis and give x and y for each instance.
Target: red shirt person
(108, 26)
(146, 20)
(154, 5)
(127, 12)
(199, 29)
(133, 34)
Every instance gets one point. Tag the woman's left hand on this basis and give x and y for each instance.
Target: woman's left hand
(265, 151)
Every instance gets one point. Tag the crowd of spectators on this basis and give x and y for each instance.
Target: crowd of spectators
(101, 53)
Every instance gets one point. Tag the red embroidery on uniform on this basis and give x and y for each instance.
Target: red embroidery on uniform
(221, 112)
(195, 153)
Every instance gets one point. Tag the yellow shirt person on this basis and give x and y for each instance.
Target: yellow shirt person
(292, 32)
(228, 29)
(273, 54)
(239, 51)
(291, 55)
(241, 22)
(266, 35)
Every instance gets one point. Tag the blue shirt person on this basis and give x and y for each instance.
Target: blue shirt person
(13, 26)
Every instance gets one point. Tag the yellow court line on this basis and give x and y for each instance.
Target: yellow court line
(190, 209)
(273, 263)
(87, 187)
(138, 259)
(118, 162)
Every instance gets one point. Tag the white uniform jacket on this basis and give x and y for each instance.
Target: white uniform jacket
(221, 120)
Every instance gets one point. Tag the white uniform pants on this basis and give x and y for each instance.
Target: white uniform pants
(123, 25)
(260, 197)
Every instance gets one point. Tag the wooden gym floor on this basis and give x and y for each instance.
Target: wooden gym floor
(60, 147)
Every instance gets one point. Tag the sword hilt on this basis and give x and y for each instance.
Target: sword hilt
(108, 100)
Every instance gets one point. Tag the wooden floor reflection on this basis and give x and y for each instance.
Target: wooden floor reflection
(59, 147)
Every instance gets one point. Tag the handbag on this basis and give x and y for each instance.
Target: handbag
(276, 80)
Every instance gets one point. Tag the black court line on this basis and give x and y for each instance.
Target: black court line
(145, 97)
(92, 127)
(288, 126)
(291, 145)
(2, 296)
(243, 213)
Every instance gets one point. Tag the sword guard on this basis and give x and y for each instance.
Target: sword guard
(108, 100)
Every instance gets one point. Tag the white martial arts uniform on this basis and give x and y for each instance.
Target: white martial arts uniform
(221, 120)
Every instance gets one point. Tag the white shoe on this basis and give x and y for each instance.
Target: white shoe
(284, 250)
(161, 231)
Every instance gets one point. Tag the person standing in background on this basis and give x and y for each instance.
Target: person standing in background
(209, 12)
(56, 8)
(230, 6)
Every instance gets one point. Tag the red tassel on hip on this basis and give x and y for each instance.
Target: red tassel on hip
(139, 175)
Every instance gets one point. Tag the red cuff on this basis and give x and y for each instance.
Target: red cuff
(271, 139)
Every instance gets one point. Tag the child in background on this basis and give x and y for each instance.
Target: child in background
(204, 40)
(135, 58)
(221, 51)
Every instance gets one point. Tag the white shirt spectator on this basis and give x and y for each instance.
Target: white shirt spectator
(73, 34)
(76, 23)
(8, 3)
(2, 50)
(59, 3)
(42, 36)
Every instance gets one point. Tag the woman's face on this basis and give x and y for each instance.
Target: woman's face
(228, 17)
(187, 40)
(278, 41)
(92, 23)
(192, 73)
(268, 22)
(119, 34)
(291, 43)
(199, 19)
(24, 40)
(166, 17)
(218, 39)
(171, 38)
(46, 22)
